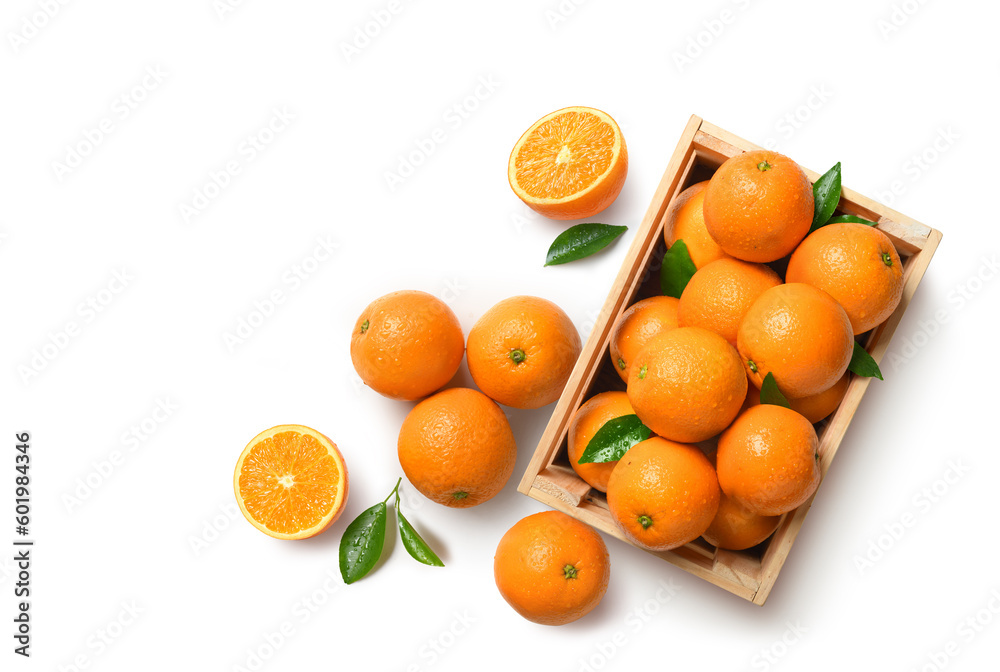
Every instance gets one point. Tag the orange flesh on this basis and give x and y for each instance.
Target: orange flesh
(565, 155)
(289, 482)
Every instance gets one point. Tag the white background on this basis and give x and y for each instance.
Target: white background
(157, 529)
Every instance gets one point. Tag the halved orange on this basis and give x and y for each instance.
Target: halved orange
(570, 164)
(291, 482)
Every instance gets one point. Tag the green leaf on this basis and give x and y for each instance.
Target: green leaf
(361, 545)
(770, 394)
(863, 365)
(614, 438)
(677, 269)
(845, 219)
(581, 241)
(414, 543)
(826, 196)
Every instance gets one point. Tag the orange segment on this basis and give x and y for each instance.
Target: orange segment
(291, 482)
(570, 164)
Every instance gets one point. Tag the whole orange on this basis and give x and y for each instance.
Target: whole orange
(589, 418)
(552, 569)
(758, 206)
(637, 326)
(663, 494)
(406, 345)
(522, 350)
(814, 407)
(685, 220)
(719, 295)
(768, 460)
(457, 448)
(855, 264)
(736, 528)
(687, 384)
(798, 333)
(569, 164)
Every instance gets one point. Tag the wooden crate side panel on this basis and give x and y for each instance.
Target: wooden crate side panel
(593, 349)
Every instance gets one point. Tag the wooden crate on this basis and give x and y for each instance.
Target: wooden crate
(549, 478)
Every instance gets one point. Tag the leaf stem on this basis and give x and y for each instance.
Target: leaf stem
(395, 491)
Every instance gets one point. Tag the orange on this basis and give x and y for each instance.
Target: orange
(685, 220)
(291, 482)
(855, 264)
(719, 294)
(589, 418)
(552, 569)
(735, 528)
(758, 206)
(637, 326)
(457, 448)
(815, 407)
(687, 384)
(798, 333)
(522, 350)
(570, 164)
(768, 460)
(663, 494)
(407, 344)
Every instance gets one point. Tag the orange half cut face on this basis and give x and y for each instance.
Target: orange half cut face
(291, 482)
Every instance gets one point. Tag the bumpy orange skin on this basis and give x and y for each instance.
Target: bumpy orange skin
(640, 323)
(407, 344)
(815, 407)
(569, 164)
(663, 494)
(798, 333)
(552, 569)
(855, 264)
(719, 295)
(685, 220)
(735, 528)
(768, 460)
(687, 384)
(758, 214)
(457, 448)
(589, 418)
(546, 339)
